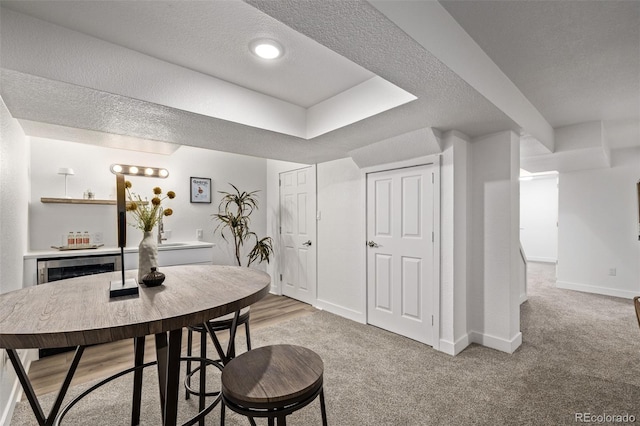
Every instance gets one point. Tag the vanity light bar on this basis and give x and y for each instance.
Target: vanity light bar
(126, 169)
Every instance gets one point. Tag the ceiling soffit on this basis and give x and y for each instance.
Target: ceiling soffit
(212, 38)
(183, 88)
(354, 30)
(359, 32)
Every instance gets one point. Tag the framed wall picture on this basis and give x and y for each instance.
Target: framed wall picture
(200, 190)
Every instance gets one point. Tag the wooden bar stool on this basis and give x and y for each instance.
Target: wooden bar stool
(273, 382)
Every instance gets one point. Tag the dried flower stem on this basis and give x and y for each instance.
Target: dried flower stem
(147, 214)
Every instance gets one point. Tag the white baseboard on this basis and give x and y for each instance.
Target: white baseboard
(541, 259)
(11, 399)
(454, 348)
(275, 290)
(341, 311)
(596, 290)
(523, 298)
(498, 343)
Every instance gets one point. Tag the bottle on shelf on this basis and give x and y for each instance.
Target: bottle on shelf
(86, 239)
(71, 240)
(78, 239)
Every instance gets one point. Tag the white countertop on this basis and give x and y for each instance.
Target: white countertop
(40, 254)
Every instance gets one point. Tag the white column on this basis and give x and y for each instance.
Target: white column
(454, 241)
(493, 296)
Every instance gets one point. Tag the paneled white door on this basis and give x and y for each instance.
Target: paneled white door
(400, 226)
(298, 234)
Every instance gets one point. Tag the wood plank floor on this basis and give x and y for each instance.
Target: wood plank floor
(101, 361)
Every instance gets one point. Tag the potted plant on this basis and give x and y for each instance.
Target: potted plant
(234, 215)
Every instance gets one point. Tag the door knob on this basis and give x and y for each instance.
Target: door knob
(372, 244)
(307, 244)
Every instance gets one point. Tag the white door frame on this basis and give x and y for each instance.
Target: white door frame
(420, 161)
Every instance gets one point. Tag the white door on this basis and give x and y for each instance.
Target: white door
(298, 234)
(400, 212)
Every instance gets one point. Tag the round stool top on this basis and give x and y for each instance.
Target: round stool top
(272, 376)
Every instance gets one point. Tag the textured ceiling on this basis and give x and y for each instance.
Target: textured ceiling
(211, 37)
(354, 30)
(575, 61)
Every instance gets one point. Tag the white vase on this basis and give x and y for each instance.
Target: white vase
(147, 255)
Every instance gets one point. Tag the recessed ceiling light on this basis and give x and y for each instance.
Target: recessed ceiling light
(266, 48)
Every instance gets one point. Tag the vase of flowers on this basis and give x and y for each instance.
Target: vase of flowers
(147, 214)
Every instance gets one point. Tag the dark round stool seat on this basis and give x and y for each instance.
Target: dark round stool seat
(273, 381)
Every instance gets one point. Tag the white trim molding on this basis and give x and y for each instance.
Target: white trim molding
(596, 290)
(542, 259)
(498, 343)
(341, 311)
(454, 348)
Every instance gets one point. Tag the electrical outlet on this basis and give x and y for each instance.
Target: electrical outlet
(612, 272)
(98, 238)
(199, 234)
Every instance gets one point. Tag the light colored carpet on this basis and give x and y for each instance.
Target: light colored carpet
(580, 354)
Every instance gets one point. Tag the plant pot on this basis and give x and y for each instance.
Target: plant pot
(147, 255)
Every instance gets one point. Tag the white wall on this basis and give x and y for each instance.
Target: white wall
(91, 166)
(14, 204)
(598, 228)
(341, 239)
(539, 218)
(341, 234)
(14, 201)
(493, 299)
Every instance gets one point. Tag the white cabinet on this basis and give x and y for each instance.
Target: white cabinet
(174, 255)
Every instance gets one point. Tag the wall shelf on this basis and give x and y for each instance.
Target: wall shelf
(75, 201)
(81, 201)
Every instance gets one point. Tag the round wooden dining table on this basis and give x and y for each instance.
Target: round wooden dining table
(79, 312)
